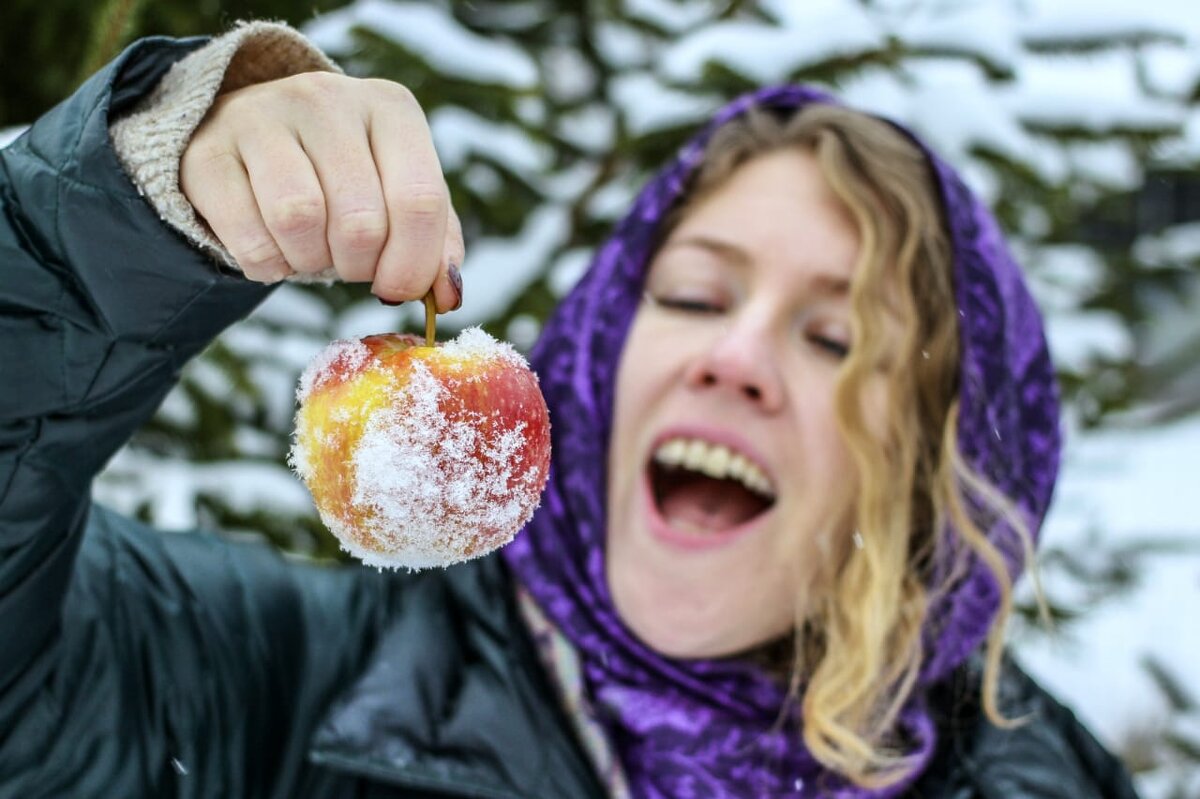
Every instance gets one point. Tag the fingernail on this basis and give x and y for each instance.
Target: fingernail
(456, 281)
(390, 303)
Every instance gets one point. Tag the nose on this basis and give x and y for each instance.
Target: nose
(743, 361)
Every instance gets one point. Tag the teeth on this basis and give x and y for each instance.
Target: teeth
(714, 460)
(694, 455)
(671, 453)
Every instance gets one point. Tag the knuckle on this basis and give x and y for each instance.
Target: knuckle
(422, 203)
(258, 255)
(361, 231)
(393, 92)
(294, 216)
(312, 87)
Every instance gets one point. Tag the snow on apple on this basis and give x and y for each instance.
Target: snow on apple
(421, 456)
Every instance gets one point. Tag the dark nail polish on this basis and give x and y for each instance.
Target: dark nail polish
(456, 281)
(390, 303)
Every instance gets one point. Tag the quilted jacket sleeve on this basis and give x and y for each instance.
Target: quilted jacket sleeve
(134, 663)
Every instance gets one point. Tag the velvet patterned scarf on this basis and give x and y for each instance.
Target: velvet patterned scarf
(708, 728)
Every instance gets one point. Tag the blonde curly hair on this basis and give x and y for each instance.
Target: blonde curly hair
(858, 651)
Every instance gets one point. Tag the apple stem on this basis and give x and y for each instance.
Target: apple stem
(430, 318)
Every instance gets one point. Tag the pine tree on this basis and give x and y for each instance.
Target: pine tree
(548, 115)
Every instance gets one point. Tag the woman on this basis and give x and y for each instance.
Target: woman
(804, 426)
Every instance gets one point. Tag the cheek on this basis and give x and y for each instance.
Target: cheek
(631, 394)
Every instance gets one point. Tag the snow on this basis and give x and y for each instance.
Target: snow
(9, 135)
(432, 34)
(294, 307)
(1080, 338)
(497, 270)
(460, 134)
(591, 128)
(612, 200)
(1175, 247)
(245, 485)
(1170, 70)
(370, 316)
(1120, 488)
(671, 15)
(523, 331)
(566, 271)
(763, 53)
(982, 30)
(651, 106)
(1110, 164)
(622, 45)
(1094, 92)
(569, 76)
(177, 408)
(292, 348)
(1056, 22)
(1062, 276)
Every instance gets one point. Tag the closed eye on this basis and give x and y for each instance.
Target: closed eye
(685, 305)
(831, 346)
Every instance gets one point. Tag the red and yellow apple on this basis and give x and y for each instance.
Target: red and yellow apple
(421, 456)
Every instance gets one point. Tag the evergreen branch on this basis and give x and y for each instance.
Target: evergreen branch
(117, 21)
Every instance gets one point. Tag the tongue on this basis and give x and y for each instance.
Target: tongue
(707, 506)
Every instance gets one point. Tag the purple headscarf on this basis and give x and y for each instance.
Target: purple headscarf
(707, 728)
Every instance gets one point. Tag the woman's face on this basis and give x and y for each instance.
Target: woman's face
(725, 454)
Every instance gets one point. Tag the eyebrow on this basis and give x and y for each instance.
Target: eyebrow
(822, 283)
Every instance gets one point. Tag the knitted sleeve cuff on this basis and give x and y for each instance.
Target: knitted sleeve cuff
(150, 140)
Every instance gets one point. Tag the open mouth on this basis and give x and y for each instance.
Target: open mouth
(706, 488)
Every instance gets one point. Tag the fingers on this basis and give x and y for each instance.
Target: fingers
(317, 170)
(290, 199)
(218, 187)
(418, 204)
(356, 227)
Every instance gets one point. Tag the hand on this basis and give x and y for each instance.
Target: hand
(319, 169)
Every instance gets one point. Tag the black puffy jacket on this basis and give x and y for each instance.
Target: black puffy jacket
(140, 664)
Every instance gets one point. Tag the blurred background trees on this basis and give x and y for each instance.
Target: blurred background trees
(1076, 121)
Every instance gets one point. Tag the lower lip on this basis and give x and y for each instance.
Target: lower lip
(662, 531)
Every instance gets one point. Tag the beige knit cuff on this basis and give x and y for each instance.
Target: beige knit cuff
(150, 140)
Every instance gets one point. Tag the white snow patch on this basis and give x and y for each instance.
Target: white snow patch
(460, 133)
(1125, 486)
(1111, 164)
(1097, 92)
(567, 269)
(650, 106)
(985, 30)
(255, 342)
(1062, 276)
(764, 53)
(591, 128)
(1079, 339)
(246, 486)
(9, 135)
(433, 34)
(497, 269)
(293, 307)
(622, 46)
(1062, 22)
(1176, 247)
(672, 16)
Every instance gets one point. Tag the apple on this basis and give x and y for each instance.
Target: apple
(420, 456)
